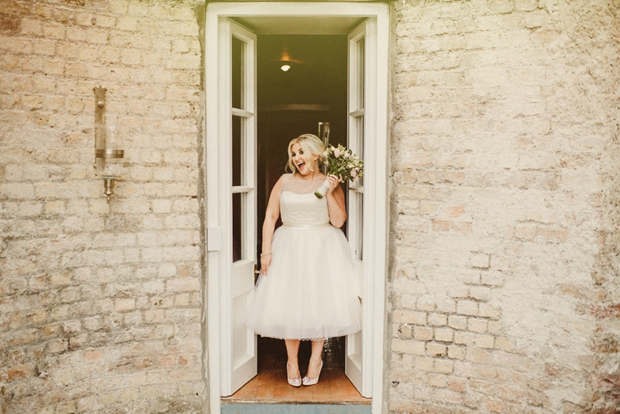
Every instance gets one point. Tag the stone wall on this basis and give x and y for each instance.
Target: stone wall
(504, 168)
(505, 187)
(100, 304)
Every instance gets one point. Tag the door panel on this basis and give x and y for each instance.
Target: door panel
(354, 358)
(238, 359)
(244, 361)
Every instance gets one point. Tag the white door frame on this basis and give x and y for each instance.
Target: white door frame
(375, 183)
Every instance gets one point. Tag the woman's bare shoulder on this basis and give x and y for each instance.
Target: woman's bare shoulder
(284, 178)
(278, 184)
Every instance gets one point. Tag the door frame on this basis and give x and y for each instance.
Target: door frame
(377, 207)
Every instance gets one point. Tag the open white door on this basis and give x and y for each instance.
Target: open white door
(238, 255)
(358, 357)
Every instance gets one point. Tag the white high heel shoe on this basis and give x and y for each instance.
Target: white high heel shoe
(312, 381)
(293, 382)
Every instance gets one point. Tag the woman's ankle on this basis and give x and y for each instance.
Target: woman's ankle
(315, 361)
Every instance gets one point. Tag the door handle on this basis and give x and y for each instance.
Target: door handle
(256, 272)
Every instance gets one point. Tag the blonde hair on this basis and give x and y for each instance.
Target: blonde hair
(310, 144)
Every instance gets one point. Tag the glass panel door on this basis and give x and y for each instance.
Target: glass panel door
(355, 230)
(239, 346)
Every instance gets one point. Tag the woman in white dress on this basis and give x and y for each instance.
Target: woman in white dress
(305, 291)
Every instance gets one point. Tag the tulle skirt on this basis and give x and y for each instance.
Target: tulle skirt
(310, 289)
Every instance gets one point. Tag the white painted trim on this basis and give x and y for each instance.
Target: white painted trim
(242, 113)
(381, 81)
(357, 113)
(242, 189)
(348, 9)
(376, 186)
(225, 203)
(211, 168)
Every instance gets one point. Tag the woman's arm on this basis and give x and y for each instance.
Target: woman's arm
(271, 217)
(335, 203)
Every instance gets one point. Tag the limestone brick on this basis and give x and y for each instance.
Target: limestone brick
(502, 173)
(31, 27)
(456, 352)
(435, 350)
(409, 347)
(464, 338)
(480, 293)
(54, 30)
(50, 62)
(422, 333)
(449, 396)
(467, 307)
(457, 322)
(183, 284)
(17, 191)
(424, 364)
(105, 21)
(439, 381)
(477, 325)
(489, 310)
(479, 260)
(437, 319)
(485, 341)
(492, 278)
(447, 306)
(444, 335)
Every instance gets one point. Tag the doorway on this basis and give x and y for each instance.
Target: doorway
(301, 84)
(232, 187)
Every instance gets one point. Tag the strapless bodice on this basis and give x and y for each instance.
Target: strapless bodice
(303, 210)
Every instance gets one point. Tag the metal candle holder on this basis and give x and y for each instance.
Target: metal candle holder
(107, 153)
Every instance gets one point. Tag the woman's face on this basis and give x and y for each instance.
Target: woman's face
(303, 161)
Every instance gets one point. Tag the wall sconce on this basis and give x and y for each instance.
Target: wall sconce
(108, 146)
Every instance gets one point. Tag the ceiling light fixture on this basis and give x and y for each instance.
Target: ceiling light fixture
(286, 66)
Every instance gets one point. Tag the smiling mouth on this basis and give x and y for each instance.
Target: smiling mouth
(300, 165)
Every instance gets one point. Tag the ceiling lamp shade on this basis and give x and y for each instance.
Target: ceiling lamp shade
(286, 66)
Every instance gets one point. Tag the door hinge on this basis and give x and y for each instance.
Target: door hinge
(214, 239)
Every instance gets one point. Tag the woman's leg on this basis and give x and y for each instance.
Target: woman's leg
(292, 350)
(314, 367)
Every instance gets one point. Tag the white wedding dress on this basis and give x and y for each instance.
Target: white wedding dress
(308, 292)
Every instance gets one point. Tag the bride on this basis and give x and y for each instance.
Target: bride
(305, 288)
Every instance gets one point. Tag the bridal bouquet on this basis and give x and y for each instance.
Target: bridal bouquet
(342, 163)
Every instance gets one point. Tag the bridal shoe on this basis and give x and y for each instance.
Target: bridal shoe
(313, 381)
(293, 382)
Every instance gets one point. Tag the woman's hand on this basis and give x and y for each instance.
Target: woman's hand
(265, 261)
(333, 182)
(269, 225)
(335, 202)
